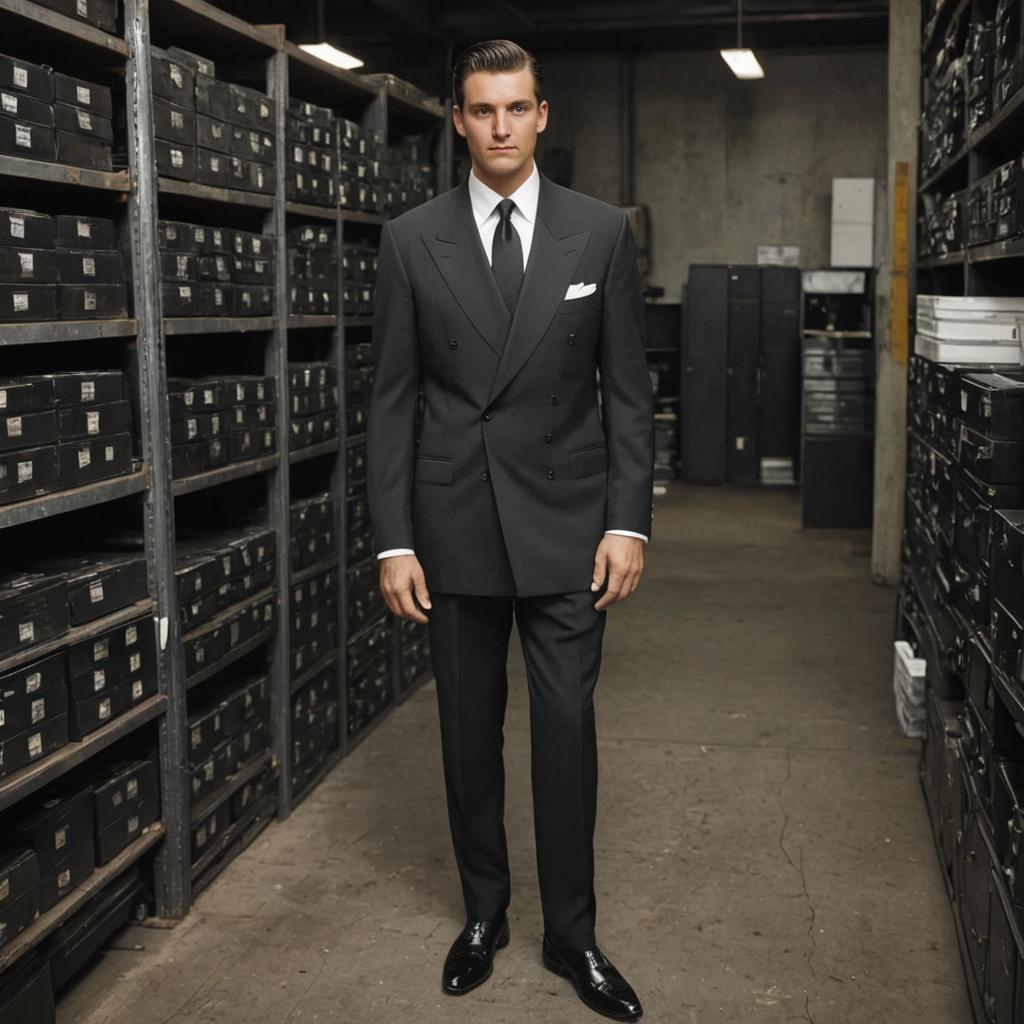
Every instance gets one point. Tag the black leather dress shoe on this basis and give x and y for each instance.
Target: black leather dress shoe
(471, 959)
(598, 983)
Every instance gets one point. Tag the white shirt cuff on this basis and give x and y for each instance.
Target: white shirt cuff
(629, 533)
(396, 551)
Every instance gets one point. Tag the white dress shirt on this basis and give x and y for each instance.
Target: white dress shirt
(484, 201)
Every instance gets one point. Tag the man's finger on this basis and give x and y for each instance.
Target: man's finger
(612, 593)
(409, 609)
(419, 585)
(600, 565)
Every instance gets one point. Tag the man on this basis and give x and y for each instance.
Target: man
(514, 494)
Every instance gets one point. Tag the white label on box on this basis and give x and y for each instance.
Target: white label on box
(239, 392)
(20, 302)
(25, 470)
(182, 266)
(218, 296)
(84, 229)
(137, 689)
(26, 632)
(215, 164)
(264, 111)
(177, 119)
(185, 292)
(89, 300)
(88, 266)
(215, 423)
(35, 744)
(226, 564)
(96, 592)
(116, 798)
(88, 390)
(217, 130)
(84, 94)
(135, 662)
(131, 635)
(92, 422)
(221, 263)
(38, 710)
(99, 680)
(64, 879)
(33, 682)
(298, 181)
(259, 176)
(104, 709)
(13, 426)
(5, 888)
(176, 76)
(239, 416)
(23, 135)
(260, 266)
(84, 120)
(254, 141)
(191, 428)
(133, 824)
(197, 736)
(82, 6)
(208, 771)
(207, 396)
(171, 231)
(257, 247)
(108, 453)
(84, 457)
(200, 654)
(132, 788)
(297, 154)
(177, 158)
(218, 238)
(3, 716)
(20, 77)
(10, 103)
(28, 263)
(3, 398)
(101, 650)
(247, 300)
(60, 838)
(17, 227)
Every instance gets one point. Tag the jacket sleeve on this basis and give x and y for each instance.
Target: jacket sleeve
(627, 399)
(391, 425)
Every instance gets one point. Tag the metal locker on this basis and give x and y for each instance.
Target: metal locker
(743, 463)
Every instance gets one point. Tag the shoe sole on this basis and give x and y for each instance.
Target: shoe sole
(501, 943)
(563, 972)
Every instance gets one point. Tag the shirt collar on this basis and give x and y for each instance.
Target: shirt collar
(484, 199)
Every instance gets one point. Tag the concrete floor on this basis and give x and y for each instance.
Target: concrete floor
(763, 851)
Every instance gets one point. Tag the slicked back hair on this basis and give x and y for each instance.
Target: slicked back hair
(493, 55)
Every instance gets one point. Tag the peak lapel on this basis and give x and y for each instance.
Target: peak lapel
(459, 256)
(555, 252)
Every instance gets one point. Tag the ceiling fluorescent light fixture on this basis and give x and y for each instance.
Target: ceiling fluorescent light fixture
(332, 55)
(741, 60)
(743, 63)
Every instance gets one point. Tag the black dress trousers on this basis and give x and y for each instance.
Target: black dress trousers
(561, 636)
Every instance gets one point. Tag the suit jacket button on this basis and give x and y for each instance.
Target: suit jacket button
(547, 439)
(551, 474)
(453, 343)
(484, 476)
(487, 415)
(554, 399)
(572, 340)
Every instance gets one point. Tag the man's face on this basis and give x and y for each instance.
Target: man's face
(500, 119)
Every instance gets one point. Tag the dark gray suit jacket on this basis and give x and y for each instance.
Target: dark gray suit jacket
(514, 475)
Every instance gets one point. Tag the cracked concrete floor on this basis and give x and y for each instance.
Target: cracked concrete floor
(763, 851)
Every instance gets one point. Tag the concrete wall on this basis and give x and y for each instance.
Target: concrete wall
(723, 165)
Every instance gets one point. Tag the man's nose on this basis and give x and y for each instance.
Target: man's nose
(501, 128)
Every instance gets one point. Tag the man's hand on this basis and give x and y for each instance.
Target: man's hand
(621, 559)
(401, 577)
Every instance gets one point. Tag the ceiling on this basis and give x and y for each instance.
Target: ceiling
(412, 37)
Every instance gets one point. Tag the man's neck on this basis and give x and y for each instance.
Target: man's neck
(504, 186)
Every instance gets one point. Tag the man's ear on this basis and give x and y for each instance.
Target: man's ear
(457, 121)
(542, 115)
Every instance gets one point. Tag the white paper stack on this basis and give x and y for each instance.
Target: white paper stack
(908, 684)
(970, 329)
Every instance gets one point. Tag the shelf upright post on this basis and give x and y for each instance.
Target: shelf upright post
(172, 876)
(444, 154)
(279, 493)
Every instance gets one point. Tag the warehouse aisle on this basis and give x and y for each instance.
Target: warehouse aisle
(763, 850)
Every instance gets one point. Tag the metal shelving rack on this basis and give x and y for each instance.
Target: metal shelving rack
(246, 52)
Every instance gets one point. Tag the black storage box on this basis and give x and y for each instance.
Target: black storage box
(28, 266)
(174, 124)
(110, 647)
(90, 421)
(66, 876)
(90, 267)
(62, 823)
(173, 82)
(85, 233)
(28, 302)
(79, 93)
(100, 13)
(28, 429)
(121, 833)
(174, 160)
(81, 121)
(33, 609)
(83, 462)
(27, 474)
(81, 151)
(25, 228)
(30, 79)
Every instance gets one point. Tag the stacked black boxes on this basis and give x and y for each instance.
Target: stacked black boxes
(211, 271)
(228, 730)
(414, 658)
(314, 726)
(962, 604)
(311, 167)
(218, 420)
(369, 684)
(406, 177)
(126, 800)
(314, 625)
(358, 278)
(941, 225)
(209, 131)
(63, 267)
(979, 74)
(360, 167)
(100, 14)
(1008, 52)
(838, 385)
(312, 270)
(994, 205)
(313, 391)
(50, 116)
(63, 430)
(312, 532)
(226, 593)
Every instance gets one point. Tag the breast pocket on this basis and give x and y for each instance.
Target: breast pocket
(433, 469)
(588, 461)
(585, 304)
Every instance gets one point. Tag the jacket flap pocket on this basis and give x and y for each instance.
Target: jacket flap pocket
(586, 461)
(433, 469)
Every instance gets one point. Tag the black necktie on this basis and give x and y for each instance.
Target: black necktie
(507, 255)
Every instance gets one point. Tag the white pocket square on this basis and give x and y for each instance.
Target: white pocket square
(578, 291)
